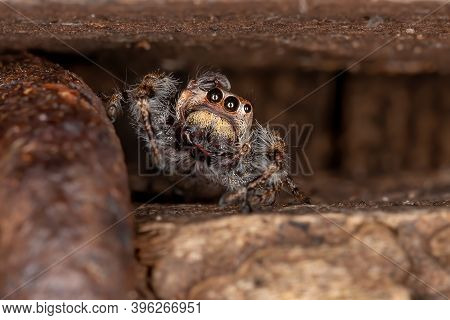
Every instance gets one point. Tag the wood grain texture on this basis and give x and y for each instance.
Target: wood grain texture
(275, 255)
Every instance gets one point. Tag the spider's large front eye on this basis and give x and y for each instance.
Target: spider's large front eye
(215, 95)
(231, 103)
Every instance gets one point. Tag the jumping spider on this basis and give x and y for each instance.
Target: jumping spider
(207, 130)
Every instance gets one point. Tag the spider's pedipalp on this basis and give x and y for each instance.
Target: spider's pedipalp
(113, 106)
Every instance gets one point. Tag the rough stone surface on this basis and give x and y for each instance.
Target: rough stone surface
(328, 36)
(324, 254)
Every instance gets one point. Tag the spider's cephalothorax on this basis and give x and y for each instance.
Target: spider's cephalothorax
(207, 130)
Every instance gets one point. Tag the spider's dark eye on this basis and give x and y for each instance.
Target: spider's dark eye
(231, 103)
(215, 95)
(247, 108)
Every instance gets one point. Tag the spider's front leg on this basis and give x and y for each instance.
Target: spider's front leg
(267, 168)
(255, 194)
(151, 105)
(210, 80)
(140, 98)
(152, 108)
(264, 189)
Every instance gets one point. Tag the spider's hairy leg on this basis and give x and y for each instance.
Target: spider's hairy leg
(150, 103)
(299, 195)
(261, 192)
(210, 80)
(267, 166)
(255, 194)
(277, 172)
(236, 197)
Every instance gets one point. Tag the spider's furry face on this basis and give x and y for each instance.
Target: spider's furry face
(213, 118)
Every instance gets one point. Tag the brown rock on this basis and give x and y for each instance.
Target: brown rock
(364, 255)
(63, 187)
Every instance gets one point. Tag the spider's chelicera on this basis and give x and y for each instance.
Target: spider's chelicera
(206, 130)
